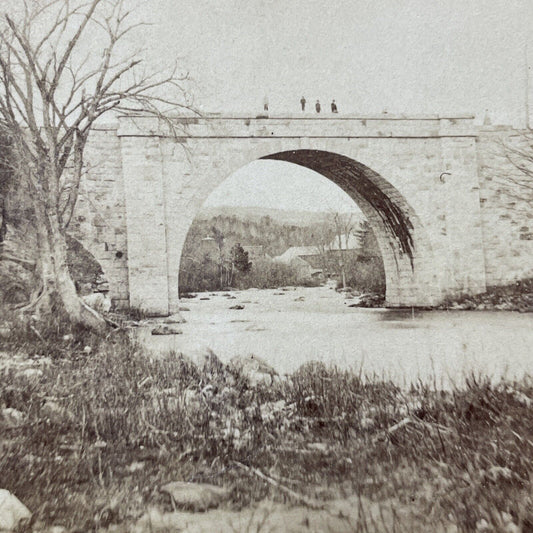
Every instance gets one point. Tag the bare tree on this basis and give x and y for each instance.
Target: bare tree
(322, 238)
(513, 156)
(344, 225)
(63, 65)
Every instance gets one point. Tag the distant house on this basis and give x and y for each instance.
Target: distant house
(304, 259)
(304, 252)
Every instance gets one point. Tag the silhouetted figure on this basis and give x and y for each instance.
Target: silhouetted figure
(302, 102)
(334, 107)
(265, 103)
(317, 106)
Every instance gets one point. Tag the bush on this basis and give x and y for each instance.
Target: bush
(366, 275)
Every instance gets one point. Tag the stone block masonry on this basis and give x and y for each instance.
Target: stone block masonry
(443, 227)
(99, 220)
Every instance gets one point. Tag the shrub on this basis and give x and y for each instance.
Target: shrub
(366, 275)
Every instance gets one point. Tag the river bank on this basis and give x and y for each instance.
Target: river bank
(103, 439)
(281, 410)
(514, 297)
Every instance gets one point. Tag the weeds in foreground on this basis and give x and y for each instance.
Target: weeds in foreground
(98, 432)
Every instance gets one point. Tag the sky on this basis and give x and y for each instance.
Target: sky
(403, 56)
(400, 56)
(281, 185)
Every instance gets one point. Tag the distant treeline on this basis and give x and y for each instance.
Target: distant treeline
(275, 237)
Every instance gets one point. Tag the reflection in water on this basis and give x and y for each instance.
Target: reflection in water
(292, 327)
(390, 315)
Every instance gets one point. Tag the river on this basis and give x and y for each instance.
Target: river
(290, 327)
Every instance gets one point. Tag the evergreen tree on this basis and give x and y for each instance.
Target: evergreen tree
(239, 258)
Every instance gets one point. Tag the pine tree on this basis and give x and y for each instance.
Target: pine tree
(239, 259)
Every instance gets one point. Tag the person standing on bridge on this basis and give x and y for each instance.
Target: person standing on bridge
(334, 107)
(265, 103)
(317, 106)
(302, 102)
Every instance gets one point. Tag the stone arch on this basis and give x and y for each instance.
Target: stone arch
(405, 247)
(431, 230)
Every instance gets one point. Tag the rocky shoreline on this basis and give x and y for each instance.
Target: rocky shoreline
(514, 297)
(178, 445)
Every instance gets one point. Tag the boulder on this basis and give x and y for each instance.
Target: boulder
(31, 373)
(176, 318)
(203, 358)
(98, 301)
(12, 417)
(237, 307)
(254, 369)
(195, 496)
(136, 466)
(55, 412)
(12, 511)
(5, 331)
(277, 411)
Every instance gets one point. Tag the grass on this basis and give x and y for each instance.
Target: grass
(100, 432)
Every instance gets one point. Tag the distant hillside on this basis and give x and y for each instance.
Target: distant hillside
(262, 230)
(282, 217)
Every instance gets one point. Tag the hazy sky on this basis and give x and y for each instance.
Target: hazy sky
(281, 185)
(406, 56)
(403, 56)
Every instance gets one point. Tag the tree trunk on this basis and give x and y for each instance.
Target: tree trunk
(56, 284)
(341, 262)
(77, 311)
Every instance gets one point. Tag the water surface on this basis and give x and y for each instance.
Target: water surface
(290, 327)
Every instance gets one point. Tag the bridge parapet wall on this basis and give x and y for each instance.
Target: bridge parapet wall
(300, 126)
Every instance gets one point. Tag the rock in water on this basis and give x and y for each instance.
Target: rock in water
(166, 330)
(12, 511)
(195, 496)
(176, 318)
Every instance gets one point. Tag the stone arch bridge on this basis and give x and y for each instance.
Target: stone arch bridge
(424, 183)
